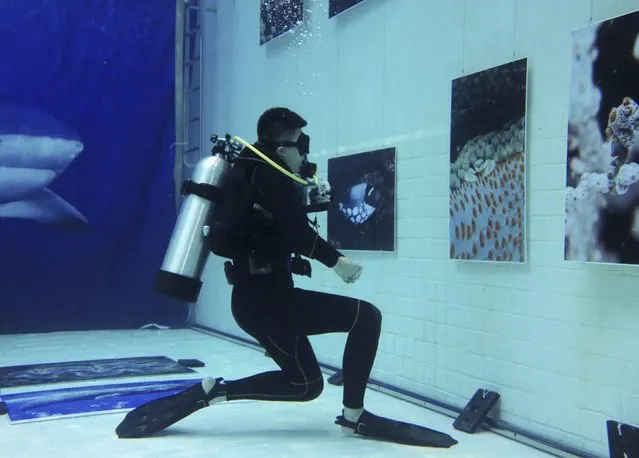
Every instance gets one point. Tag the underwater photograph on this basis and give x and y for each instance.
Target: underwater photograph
(88, 400)
(239, 247)
(363, 214)
(71, 371)
(602, 196)
(336, 7)
(488, 165)
(278, 17)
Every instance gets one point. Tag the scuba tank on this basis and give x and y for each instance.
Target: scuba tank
(187, 253)
(202, 225)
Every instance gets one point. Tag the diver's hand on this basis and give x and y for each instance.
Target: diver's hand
(347, 269)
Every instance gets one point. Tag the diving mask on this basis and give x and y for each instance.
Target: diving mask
(308, 169)
(302, 144)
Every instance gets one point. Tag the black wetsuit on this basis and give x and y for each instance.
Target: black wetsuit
(267, 305)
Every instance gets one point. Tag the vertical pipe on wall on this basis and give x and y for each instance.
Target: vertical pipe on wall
(200, 45)
(179, 98)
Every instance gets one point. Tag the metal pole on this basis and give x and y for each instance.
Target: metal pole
(179, 99)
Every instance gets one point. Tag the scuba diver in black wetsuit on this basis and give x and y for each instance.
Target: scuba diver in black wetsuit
(270, 228)
(265, 302)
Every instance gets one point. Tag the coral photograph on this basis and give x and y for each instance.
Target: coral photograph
(363, 191)
(602, 167)
(488, 165)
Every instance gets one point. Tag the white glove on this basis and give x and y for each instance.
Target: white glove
(347, 269)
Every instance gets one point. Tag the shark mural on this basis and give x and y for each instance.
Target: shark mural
(35, 149)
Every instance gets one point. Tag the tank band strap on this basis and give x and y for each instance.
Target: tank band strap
(203, 190)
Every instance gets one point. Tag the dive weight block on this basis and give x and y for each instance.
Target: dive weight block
(476, 411)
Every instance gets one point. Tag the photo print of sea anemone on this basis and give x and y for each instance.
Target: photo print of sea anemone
(602, 167)
(336, 7)
(488, 165)
(278, 17)
(362, 216)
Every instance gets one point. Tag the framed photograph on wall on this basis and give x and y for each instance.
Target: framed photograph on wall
(363, 188)
(602, 152)
(336, 7)
(278, 17)
(487, 219)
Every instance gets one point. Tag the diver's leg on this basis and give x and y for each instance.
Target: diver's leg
(263, 312)
(300, 378)
(322, 313)
(281, 318)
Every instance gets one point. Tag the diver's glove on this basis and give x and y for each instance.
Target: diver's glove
(347, 269)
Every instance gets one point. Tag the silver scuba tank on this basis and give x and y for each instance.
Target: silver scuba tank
(187, 253)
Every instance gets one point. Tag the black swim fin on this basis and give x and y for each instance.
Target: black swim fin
(161, 413)
(376, 427)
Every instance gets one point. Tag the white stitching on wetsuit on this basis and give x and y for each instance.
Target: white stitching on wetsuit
(356, 317)
(276, 346)
(312, 381)
(285, 396)
(297, 339)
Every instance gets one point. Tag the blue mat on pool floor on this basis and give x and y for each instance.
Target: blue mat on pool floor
(88, 400)
(72, 371)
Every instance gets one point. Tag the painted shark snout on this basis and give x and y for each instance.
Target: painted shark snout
(28, 164)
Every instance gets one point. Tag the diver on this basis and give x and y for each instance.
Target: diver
(273, 231)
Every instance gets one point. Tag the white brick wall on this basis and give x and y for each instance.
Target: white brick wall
(557, 340)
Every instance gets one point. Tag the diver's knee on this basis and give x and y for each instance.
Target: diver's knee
(370, 315)
(313, 390)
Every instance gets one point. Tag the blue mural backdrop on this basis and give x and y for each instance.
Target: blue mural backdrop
(87, 127)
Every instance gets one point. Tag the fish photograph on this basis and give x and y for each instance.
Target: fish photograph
(362, 216)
